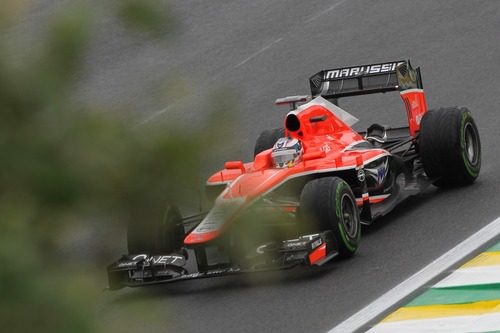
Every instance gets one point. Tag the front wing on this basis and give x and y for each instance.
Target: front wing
(144, 269)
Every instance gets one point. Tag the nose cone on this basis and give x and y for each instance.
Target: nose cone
(200, 238)
(241, 192)
(216, 221)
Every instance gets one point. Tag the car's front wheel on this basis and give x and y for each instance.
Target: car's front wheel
(328, 204)
(156, 237)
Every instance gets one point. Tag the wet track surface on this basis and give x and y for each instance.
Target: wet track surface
(259, 50)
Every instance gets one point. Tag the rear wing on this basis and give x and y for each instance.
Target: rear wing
(366, 79)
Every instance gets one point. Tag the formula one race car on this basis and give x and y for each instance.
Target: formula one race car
(311, 184)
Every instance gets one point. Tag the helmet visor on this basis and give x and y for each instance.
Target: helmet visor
(285, 158)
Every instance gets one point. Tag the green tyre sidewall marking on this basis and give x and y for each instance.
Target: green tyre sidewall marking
(338, 193)
(468, 166)
(338, 196)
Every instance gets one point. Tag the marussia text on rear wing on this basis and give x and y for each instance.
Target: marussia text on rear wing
(368, 79)
(365, 79)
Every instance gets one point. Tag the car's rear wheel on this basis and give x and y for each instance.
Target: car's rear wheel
(156, 237)
(450, 147)
(329, 204)
(267, 139)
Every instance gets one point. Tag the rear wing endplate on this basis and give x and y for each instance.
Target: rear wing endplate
(366, 79)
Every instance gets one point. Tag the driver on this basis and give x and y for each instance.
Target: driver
(286, 153)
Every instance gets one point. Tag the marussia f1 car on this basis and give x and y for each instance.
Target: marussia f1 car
(311, 184)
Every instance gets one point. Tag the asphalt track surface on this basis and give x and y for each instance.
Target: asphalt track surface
(256, 51)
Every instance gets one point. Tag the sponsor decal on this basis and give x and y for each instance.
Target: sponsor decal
(261, 249)
(326, 148)
(361, 70)
(284, 144)
(269, 246)
(418, 119)
(308, 242)
(160, 260)
(316, 243)
(380, 175)
(378, 172)
(295, 244)
(125, 264)
(361, 175)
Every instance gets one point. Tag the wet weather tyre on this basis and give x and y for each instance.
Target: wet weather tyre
(267, 139)
(450, 147)
(156, 237)
(329, 204)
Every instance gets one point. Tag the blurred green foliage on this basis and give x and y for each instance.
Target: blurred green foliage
(149, 16)
(64, 164)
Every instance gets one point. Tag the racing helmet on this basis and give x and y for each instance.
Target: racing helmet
(286, 153)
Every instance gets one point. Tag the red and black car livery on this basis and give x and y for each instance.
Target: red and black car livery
(268, 217)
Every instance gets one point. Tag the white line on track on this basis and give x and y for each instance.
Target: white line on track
(253, 55)
(329, 9)
(417, 280)
(258, 52)
(154, 115)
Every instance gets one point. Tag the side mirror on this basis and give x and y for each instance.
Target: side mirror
(262, 160)
(235, 165)
(314, 155)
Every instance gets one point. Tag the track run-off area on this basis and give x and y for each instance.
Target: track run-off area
(468, 300)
